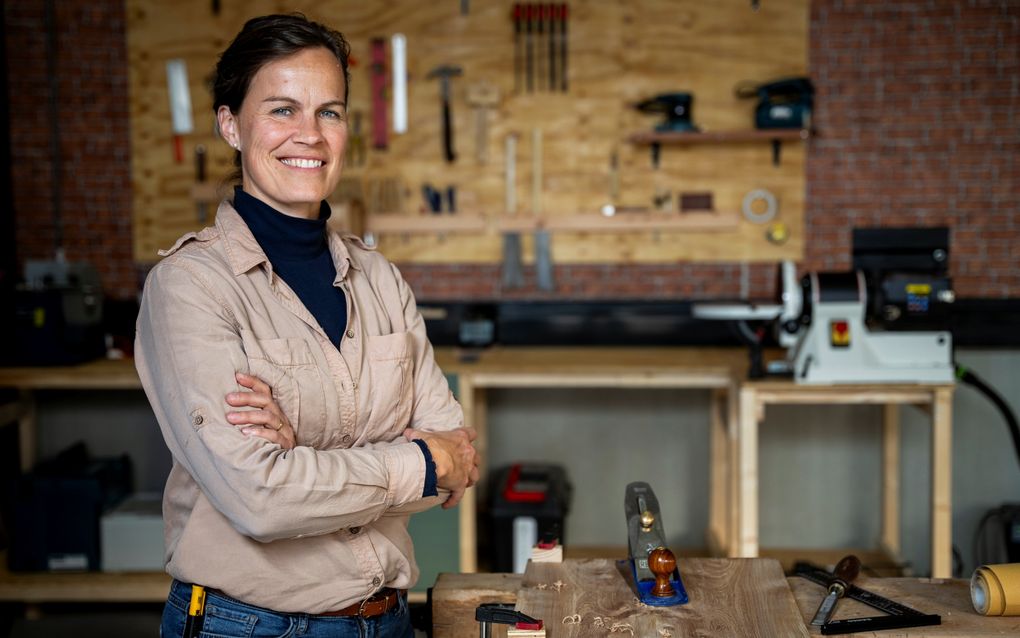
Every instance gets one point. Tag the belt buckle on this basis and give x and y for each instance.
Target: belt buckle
(361, 607)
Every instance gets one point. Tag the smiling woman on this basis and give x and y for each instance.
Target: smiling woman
(291, 131)
(291, 376)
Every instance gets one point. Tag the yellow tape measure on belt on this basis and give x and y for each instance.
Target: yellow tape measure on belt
(995, 590)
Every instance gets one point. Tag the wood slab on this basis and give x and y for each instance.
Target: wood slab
(456, 596)
(728, 597)
(948, 598)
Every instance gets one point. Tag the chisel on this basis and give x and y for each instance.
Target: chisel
(540, 46)
(518, 29)
(553, 13)
(563, 47)
(846, 571)
(529, 65)
(203, 206)
(180, 104)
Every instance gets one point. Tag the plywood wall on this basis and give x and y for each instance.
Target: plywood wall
(620, 52)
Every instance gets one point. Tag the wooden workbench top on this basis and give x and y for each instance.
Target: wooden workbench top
(120, 374)
(101, 374)
(455, 597)
(587, 359)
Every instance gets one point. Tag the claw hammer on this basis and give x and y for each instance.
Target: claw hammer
(444, 73)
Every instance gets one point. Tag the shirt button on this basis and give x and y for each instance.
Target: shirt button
(350, 334)
(347, 438)
(197, 420)
(354, 530)
(354, 384)
(376, 581)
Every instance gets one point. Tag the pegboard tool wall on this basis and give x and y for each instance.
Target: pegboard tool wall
(619, 54)
(915, 152)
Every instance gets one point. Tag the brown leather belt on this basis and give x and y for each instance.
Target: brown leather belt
(375, 605)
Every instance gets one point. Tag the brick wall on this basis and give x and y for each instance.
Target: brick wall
(917, 106)
(94, 136)
(918, 125)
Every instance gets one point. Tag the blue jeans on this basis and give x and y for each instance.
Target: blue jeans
(229, 618)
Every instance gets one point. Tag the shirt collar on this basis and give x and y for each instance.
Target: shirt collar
(244, 252)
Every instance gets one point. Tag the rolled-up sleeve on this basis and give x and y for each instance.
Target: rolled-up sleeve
(188, 347)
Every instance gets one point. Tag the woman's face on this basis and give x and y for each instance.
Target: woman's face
(291, 131)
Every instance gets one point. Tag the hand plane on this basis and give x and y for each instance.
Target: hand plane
(652, 564)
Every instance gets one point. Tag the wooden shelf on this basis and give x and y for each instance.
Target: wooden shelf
(718, 137)
(426, 223)
(623, 221)
(52, 587)
(592, 222)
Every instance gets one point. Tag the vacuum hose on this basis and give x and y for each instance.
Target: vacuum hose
(971, 379)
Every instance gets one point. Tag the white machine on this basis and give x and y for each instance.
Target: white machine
(841, 327)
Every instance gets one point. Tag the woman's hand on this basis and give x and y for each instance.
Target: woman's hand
(267, 420)
(455, 458)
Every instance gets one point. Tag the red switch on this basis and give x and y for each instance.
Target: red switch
(840, 331)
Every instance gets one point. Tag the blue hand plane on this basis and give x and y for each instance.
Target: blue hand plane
(653, 565)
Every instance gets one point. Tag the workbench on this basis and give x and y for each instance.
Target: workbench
(762, 596)
(935, 400)
(713, 369)
(472, 372)
(733, 465)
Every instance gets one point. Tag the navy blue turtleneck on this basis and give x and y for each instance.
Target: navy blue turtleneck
(299, 252)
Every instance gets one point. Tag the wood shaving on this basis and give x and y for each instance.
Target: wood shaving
(621, 627)
(558, 585)
(665, 632)
(598, 622)
(572, 620)
(542, 586)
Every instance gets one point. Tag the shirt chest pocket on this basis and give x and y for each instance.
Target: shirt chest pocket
(288, 367)
(389, 396)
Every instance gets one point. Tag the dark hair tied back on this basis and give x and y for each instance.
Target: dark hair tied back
(266, 39)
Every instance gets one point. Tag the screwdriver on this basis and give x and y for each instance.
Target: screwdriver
(846, 571)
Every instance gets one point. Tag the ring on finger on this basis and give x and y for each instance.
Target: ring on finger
(279, 427)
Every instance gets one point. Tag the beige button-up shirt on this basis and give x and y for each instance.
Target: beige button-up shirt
(324, 525)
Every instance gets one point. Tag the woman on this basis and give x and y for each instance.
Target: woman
(289, 505)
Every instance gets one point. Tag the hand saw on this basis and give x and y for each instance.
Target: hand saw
(653, 566)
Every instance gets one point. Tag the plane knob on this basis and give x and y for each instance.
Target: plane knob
(662, 562)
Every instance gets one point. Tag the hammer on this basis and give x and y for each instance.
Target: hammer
(444, 73)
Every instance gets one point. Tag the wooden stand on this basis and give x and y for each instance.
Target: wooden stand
(674, 368)
(935, 400)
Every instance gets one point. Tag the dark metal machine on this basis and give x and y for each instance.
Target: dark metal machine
(676, 107)
(785, 103)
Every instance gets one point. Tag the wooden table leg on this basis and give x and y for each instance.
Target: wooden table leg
(891, 479)
(472, 400)
(719, 476)
(747, 459)
(732, 442)
(941, 492)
